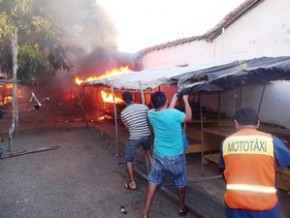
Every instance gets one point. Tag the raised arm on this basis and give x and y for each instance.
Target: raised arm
(188, 112)
(173, 101)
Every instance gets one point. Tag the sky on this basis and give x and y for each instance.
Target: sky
(145, 23)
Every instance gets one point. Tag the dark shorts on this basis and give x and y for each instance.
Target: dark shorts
(133, 145)
(240, 213)
(175, 165)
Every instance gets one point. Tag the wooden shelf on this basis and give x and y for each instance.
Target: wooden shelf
(282, 175)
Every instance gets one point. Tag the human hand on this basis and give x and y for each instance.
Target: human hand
(173, 101)
(185, 97)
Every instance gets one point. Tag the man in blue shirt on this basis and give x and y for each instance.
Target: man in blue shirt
(168, 152)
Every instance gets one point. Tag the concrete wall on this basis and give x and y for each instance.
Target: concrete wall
(262, 31)
(196, 53)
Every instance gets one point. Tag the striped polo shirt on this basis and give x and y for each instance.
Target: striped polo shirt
(135, 116)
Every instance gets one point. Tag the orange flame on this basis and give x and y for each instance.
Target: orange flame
(5, 95)
(115, 71)
(6, 86)
(108, 97)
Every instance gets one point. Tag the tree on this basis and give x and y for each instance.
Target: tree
(55, 30)
(36, 34)
(35, 61)
(6, 33)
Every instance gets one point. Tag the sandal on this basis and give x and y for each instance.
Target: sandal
(183, 212)
(127, 186)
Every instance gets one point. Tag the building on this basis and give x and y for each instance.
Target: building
(257, 28)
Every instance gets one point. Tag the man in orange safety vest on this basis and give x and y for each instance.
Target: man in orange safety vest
(248, 159)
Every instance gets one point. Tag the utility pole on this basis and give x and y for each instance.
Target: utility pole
(14, 90)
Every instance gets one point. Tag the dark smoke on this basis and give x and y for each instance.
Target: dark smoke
(90, 42)
(89, 36)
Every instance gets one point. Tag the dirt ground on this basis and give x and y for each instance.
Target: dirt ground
(82, 178)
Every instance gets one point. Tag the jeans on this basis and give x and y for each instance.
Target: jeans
(133, 145)
(175, 165)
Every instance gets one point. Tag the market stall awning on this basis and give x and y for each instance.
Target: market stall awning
(235, 74)
(192, 79)
(144, 79)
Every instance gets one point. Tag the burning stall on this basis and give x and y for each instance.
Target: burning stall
(141, 83)
(97, 102)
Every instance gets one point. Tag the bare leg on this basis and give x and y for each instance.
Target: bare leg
(130, 170)
(148, 199)
(181, 198)
(148, 159)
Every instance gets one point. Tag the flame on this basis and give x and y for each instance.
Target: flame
(5, 96)
(6, 86)
(108, 97)
(115, 71)
(6, 100)
(104, 117)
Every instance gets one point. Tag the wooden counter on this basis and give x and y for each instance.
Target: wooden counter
(213, 137)
(194, 133)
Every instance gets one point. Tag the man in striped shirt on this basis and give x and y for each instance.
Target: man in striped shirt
(134, 117)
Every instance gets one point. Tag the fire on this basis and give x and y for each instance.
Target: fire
(5, 93)
(115, 71)
(108, 97)
(8, 85)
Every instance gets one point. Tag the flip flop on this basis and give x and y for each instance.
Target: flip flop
(183, 212)
(127, 186)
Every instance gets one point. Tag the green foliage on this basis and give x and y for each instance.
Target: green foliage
(54, 30)
(36, 34)
(6, 28)
(33, 64)
(6, 34)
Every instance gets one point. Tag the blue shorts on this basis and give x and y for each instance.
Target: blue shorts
(1, 149)
(175, 165)
(133, 145)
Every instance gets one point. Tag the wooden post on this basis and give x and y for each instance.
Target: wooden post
(15, 117)
(142, 93)
(116, 122)
(80, 105)
(143, 102)
(202, 134)
(262, 96)
(219, 106)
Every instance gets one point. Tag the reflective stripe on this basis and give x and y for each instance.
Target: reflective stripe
(251, 188)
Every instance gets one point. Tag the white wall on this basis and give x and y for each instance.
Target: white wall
(262, 31)
(196, 53)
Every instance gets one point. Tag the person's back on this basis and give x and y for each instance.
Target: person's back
(248, 159)
(135, 116)
(167, 129)
(168, 154)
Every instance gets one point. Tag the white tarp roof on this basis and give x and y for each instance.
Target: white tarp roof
(150, 78)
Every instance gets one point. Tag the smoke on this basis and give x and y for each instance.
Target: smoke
(88, 35)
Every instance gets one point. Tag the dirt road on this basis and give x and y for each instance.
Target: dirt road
(83, 178)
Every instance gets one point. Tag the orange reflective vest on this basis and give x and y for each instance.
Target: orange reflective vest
(249, 170)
